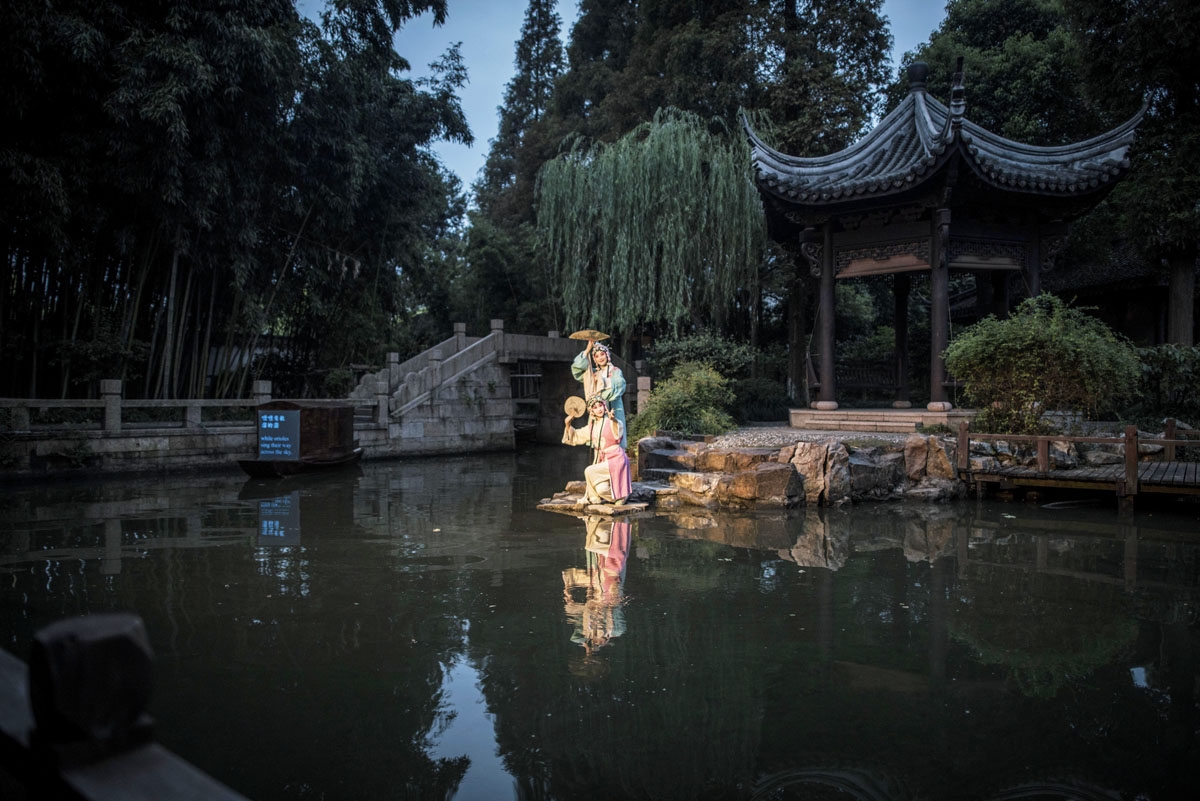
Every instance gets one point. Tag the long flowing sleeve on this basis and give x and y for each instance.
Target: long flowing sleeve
(576, 436)
(580, 366)
(613, 387)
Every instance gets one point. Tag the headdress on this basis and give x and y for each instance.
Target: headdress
(598, 348)
(592, 401)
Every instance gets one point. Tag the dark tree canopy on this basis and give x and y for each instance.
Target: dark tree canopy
(209, 189)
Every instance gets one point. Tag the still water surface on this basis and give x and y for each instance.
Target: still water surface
(418, 629)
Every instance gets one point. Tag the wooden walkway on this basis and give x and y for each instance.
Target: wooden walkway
(1165, 477)
(1127, 479)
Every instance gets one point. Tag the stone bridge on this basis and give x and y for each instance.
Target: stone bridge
(474, 393)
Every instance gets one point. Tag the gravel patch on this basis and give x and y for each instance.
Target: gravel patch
(782, 436)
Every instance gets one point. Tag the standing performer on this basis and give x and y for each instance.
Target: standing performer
(607, 477)
(603, 378)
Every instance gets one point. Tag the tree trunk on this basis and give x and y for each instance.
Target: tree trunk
(165, 390)
(1181, 299)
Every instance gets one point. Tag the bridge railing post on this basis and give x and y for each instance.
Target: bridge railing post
(497, 327)
(1131, 461)
(1170, 434)
(393, 371)
(110, 392)
(261, 391)
(381, 404)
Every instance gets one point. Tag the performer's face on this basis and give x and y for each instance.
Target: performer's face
(601, 358)
(598, 409)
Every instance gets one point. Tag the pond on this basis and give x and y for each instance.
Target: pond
(418, 629)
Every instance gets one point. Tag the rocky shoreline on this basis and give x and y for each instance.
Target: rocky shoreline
(773, 468)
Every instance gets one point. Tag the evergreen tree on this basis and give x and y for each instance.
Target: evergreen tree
(823, 64)
(505, 191)
(1023, 68)
(1150, 51)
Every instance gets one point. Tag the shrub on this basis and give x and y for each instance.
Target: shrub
(694, 400)
(1170, 383)
(1046, 357)
(729, 358)
(759, 399)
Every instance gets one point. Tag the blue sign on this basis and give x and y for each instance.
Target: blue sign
(279, 435)
(279, 520)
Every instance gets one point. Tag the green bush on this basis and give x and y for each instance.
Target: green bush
(694, 400)
(1170, 384)
(1046, 357)
(729, 358)
(759, 399)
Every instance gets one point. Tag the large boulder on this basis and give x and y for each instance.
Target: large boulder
(808, 460)
(875, 474)
(765, 484)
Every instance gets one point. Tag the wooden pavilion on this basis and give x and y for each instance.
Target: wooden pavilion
(929, 191)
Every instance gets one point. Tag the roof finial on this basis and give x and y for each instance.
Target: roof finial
(918, 72)
(958, 93)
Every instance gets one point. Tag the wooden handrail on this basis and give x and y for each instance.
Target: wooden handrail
(1131, 440)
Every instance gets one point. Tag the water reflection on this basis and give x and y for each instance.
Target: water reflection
(593, 595)
(322, 639)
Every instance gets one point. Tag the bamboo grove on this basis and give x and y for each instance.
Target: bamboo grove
(196, 192)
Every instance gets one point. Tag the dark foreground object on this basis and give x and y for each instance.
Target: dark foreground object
(73, 723)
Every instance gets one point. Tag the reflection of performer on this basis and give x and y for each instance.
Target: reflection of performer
(607, 476)
(598, 618)
(604, 379)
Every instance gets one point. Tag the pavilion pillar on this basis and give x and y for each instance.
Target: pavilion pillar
(901, 287)
(939, 311)
(1000, 294)
(826, 398)
(1033, 270)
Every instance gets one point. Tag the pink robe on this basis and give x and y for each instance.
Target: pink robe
(618, 462)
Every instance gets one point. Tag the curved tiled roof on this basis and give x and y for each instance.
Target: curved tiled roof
(912, 142)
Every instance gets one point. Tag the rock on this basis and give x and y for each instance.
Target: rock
(935, 490)
(809, 462)
(984, 464)
(916, 454)
(1063, 455)
(1102, 456)
(732, 461)
(874, 474)
(837, 475)
(665, 458)
(938, 463)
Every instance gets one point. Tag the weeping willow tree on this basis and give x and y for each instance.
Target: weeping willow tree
(662, 226)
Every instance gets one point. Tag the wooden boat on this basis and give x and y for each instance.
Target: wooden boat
(302, 437)
(273, 468)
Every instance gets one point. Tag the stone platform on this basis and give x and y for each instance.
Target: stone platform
(899, 421)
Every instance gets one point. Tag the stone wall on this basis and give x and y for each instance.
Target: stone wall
(474, 412)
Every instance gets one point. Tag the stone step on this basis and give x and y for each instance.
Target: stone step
(866, 426)
(876, 420)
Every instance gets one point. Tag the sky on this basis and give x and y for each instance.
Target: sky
(489, 30)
